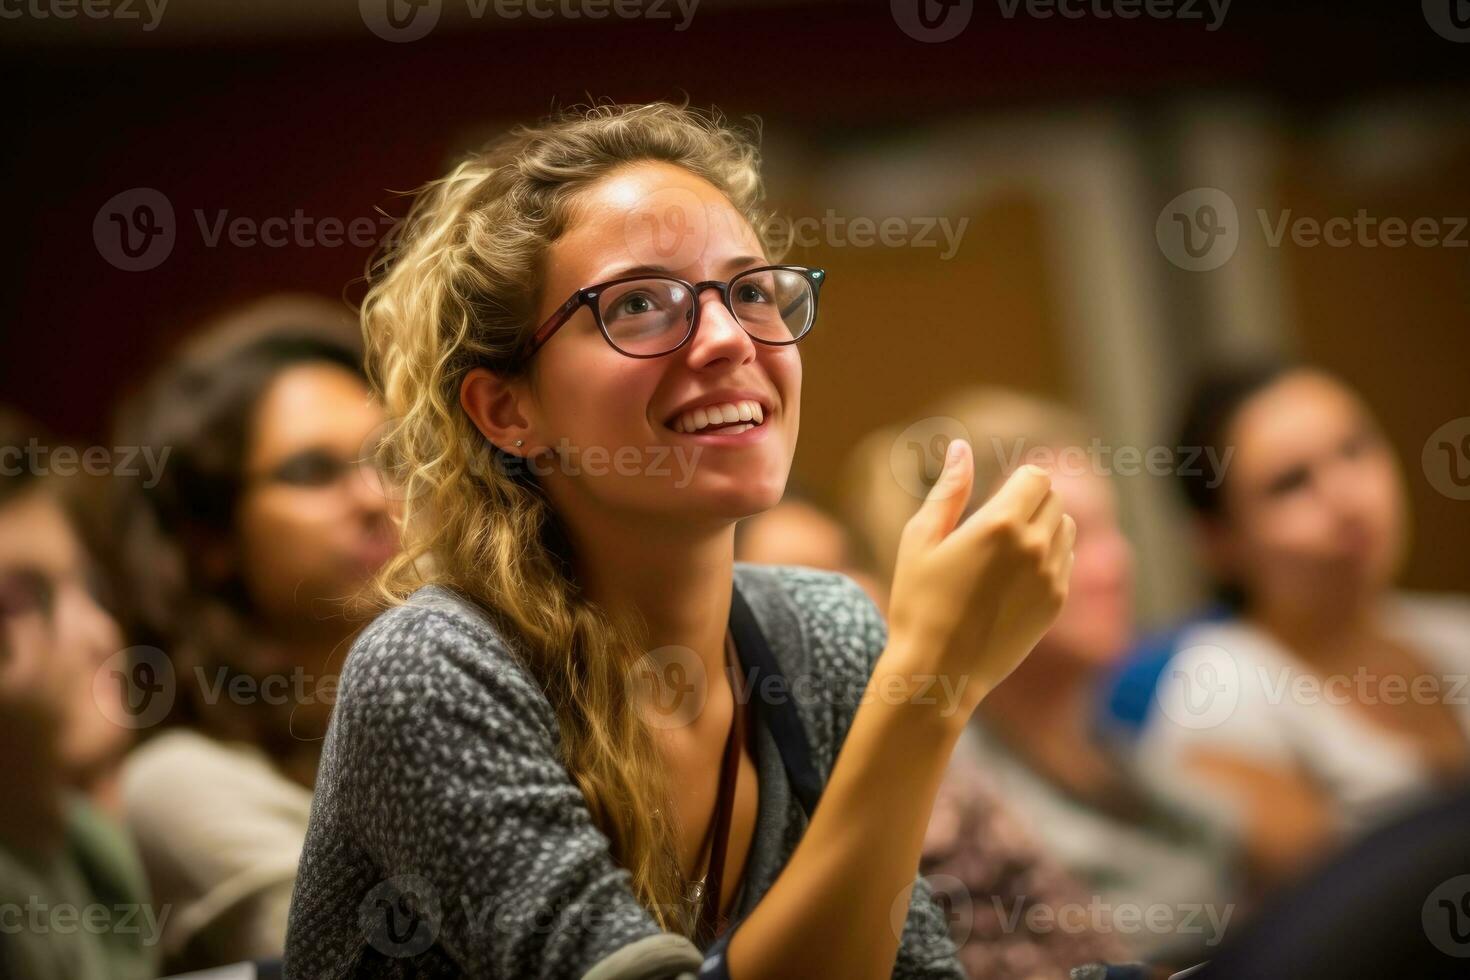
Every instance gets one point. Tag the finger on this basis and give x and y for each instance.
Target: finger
(1048, 517)
(950, 495)
(1062, 542)
(1019, 496)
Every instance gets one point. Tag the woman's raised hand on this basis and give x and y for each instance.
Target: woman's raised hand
(970, 601)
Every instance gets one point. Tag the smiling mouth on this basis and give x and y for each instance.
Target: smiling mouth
(728, 418)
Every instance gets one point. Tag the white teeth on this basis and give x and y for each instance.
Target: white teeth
(721, 414)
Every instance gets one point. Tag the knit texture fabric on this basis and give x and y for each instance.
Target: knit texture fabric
(447, 839)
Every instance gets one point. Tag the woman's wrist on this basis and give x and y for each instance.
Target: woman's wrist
(922, 695)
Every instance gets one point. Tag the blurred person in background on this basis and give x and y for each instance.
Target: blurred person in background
(64, 862)
(1034, 742)
(243, 566)
(1325, 700)
(978, 855)
(799, 532)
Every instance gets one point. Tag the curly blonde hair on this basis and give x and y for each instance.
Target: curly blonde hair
(458, 287)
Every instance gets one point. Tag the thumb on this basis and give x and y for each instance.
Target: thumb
(948, 498)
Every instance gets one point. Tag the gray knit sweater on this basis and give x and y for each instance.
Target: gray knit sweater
(447, 839)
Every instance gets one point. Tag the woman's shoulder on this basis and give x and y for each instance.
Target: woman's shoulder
(435, 632)
(810, 613)
(826, 635)
(436, 650)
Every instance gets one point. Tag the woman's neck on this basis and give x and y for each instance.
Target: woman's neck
(1327, 634)
(674, 579)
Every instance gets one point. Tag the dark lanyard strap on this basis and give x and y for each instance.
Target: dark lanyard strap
(778, 711)
(710, 921)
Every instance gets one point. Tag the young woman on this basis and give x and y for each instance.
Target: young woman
(242, 557)
(1329, 698)
(496, 798)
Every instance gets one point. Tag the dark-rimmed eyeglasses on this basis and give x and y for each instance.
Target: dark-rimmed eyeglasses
(650, 316)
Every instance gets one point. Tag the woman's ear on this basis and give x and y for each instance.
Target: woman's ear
(493, 404)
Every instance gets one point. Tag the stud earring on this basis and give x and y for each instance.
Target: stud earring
(520, 442)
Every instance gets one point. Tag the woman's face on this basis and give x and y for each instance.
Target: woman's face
(1314, 509)
(610, 419)
(312, 525)
(57, 636)
(1096, 622)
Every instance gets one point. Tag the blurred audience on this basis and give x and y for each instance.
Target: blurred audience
(1034, 740)
(73, 898)
(244, 566)
(1324, 699)
(798, 532)
(982, 862)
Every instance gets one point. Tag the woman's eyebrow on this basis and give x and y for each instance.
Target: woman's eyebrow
(729, 265)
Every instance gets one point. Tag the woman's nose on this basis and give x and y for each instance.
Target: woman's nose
(719, 334)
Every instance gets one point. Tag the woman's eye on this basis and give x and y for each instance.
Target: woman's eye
(308, 469)
(26, 590)
(1289, 482)
(751, 293)
(638, 304)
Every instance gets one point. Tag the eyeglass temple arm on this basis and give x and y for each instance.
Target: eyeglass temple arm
(554, 322)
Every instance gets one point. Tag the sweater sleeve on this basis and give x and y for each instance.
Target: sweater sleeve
(446, 762)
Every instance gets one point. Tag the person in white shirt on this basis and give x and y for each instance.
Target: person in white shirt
(1329, 700)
